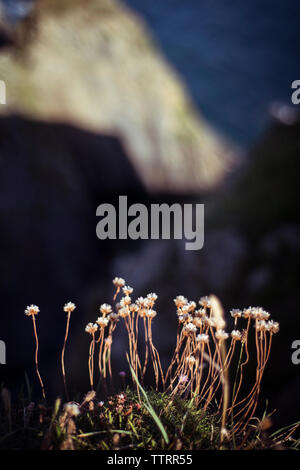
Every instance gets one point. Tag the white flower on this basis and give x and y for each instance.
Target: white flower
(32, 310)
(189, 328)
(191, 360)
(91, 328)
(123, 312)
(180, 301)
(221, 335)
(143, 302)
(247, 312)
(125, 301)
(273, 326)
(205, 302)
(102, 321)
(127, 290)
(151, 313)
(134, 308)
(203, 338)
(236, 335)
(105, 309)
(152, 296)
(236, 313)
(119, 282)
(69, 307)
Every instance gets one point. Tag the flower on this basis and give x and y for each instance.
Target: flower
(273, 326)
(236, 335)
(119, 282)
(105, 309)
(236, 313)
(191, 360)
(123, 312)
(152, 297)
(221, 335)
(191, 306)
(151, 313)
(205, 302)
(102, 321)
(142, 302)
(32, 310)
(183, 379)
(113, 317)
(91, 328)
(189, 328)
(247, 312)
(69, 307)
(127, 290)
(180, 301)
(125, 301)
(203, 338)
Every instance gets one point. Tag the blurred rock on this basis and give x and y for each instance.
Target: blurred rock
(93, 65)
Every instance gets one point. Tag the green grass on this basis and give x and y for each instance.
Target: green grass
(129, 420)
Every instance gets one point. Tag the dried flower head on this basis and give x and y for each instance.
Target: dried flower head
(32, 310)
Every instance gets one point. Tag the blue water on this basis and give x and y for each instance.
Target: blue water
(235, 56)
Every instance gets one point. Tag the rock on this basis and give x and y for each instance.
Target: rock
(93, 65)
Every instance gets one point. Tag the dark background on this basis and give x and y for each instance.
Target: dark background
(236, 59)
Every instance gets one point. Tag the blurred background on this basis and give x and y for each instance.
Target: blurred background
(163, 102)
